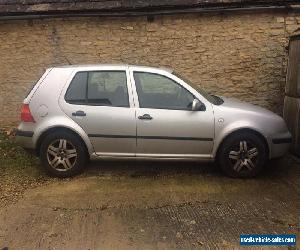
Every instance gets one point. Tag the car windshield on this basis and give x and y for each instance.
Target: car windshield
(216, 100)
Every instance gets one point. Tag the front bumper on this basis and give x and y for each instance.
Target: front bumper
(25, 139)
(280, 144)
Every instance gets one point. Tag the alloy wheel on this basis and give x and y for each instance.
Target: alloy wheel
(61, 155)
(243, 156)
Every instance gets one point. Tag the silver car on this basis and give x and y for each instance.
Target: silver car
(77, 113)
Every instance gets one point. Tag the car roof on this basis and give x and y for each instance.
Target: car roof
(87, 66)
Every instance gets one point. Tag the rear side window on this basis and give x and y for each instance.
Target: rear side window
(77, 90)
(99, 88)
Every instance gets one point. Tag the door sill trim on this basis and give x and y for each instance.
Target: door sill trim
(161, 157)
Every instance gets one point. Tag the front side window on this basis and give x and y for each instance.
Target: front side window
(99, 88)
(216, 100)
(160, 92)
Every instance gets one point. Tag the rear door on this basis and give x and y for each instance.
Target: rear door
(100, 102)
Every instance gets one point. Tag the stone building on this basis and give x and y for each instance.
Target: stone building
(234, 48)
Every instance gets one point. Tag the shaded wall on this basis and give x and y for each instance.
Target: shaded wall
(238, 55)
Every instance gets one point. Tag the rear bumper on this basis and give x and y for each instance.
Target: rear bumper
(25, 139)
(280, 144)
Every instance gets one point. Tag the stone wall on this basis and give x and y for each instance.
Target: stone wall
(237, 55)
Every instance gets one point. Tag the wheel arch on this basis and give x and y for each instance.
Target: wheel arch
(243, 130)
(48, 131)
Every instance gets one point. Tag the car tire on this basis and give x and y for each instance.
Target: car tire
(63, 154)
(242, 155)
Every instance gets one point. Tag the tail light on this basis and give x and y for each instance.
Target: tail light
(26, 114)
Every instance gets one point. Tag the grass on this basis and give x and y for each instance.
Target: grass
(18, 170)
(11, 155)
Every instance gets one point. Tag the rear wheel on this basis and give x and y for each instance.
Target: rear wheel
(242, 155)
(63, 154)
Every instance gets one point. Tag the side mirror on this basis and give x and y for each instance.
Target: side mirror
(198, 106)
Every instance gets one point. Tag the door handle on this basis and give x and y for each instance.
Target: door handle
(145, 117)
(79, 113)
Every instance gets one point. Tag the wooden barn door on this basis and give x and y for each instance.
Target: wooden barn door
(291, 110)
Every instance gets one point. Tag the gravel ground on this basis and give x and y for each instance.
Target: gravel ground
(142, 205)
(19, 171)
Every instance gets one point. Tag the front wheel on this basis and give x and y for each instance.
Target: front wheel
(63, 154)
(242, 155)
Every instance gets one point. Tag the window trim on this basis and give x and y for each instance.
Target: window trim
(153, 73)
(85, 102)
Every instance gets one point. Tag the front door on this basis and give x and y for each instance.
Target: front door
(99, 102)
(166, 125)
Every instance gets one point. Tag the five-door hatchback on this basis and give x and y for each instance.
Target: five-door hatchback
(76, 113)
